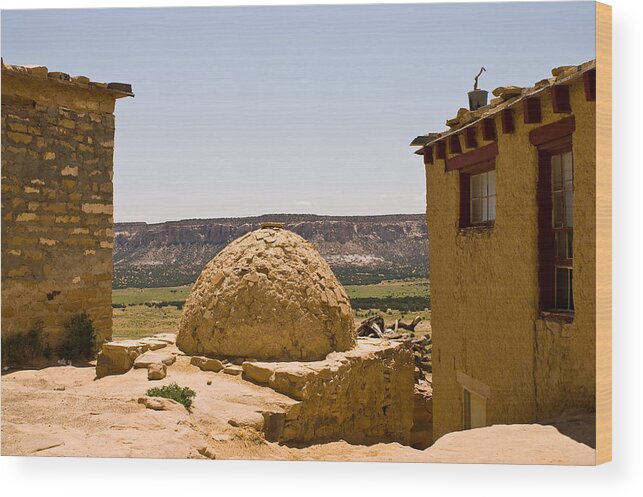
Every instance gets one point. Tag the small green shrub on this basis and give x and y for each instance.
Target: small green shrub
(80, 338)
(183, 395)
(22, 348)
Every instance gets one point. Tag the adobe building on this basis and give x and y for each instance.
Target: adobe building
(511, 196)
(57, 208)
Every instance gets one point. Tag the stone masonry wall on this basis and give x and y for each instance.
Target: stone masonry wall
(363, 396)
(57, 209)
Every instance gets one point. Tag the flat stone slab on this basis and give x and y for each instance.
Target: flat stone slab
(149, 358)
(165, 337)
(232, 369)
(160, 404)
(154, 344)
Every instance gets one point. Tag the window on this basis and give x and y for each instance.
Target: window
(478, 195)
(474, 412)
(562, 179)
(483, 197)
(556, 227)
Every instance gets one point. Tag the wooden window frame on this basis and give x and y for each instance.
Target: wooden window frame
(531, 110)
(465, 195)
(470, 137)
(454, 145)
(507, 119)
(560, 100)
(547, 261)
(489, 129)
(428, 155)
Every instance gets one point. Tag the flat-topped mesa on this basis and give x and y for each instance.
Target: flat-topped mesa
(268, 295)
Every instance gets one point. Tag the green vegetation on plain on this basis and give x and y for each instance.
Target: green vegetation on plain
(136, 296)
(142, 312)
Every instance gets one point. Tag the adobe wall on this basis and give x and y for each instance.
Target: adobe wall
(485, 287)
(57, 207)
(363, 396)
(565, 355)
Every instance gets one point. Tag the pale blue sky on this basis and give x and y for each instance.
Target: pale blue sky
(251, 110)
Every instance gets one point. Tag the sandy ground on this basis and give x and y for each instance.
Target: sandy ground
(64, 411)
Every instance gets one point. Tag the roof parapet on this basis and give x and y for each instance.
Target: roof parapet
(119, 90)
(506, 96)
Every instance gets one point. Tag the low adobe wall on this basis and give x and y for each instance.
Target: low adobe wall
(363, 396)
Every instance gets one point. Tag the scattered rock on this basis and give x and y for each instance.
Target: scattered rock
(250, 420)
(149, 358)
(169, 338)
(563, 70)
(160, 404)
(206, 364)
(507, 92)
(153, 343)
(233, 369)
(118, 357)
(256, 372)
(156, 371)
(207, 452)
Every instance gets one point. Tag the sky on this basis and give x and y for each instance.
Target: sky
(244, 111)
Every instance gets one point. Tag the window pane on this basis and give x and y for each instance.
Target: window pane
(485, 209)
(562, 288)
(561, 245)
(476, 210)
(558, 213)
(475, 186)
(556, 172)
(483, 185)
(492, 208)
(567, 167)
(569, 208)
(570, 244)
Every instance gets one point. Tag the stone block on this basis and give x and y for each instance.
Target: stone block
(156, 371)
(257, 372)
(118, 357)
(232, 369)
(206, 364)
(151, 357)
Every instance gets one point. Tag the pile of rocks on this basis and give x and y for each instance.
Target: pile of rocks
(121, 356)
(231, 367)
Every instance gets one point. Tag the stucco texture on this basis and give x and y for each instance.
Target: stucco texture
(487, 331)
